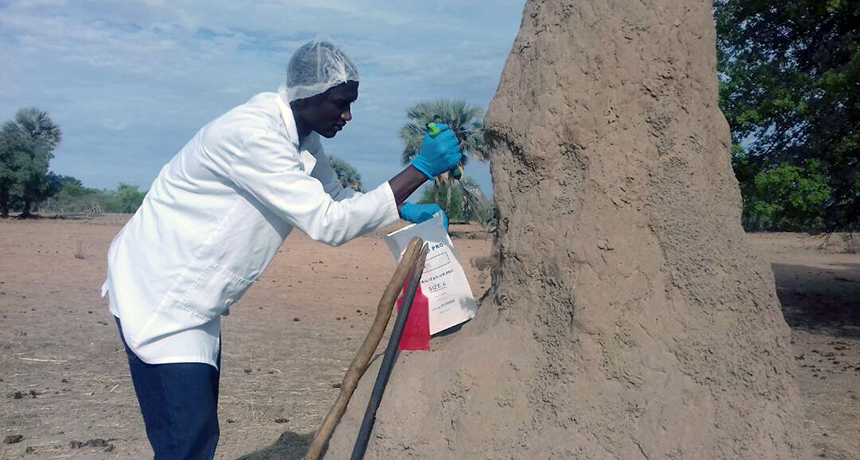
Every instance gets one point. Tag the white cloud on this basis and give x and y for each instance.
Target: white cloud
(130, 81)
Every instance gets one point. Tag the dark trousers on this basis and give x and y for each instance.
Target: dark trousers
(179, 403)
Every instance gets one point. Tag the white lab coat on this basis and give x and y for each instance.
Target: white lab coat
(214, 219)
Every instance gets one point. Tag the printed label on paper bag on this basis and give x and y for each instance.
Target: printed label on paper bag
(443, 282)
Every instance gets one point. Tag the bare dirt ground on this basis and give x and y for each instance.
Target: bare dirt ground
(65, 391)
(819, 289)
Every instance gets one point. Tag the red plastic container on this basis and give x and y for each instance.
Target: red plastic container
(416, 333)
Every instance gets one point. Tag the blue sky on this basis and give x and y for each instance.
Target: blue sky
(131, 81)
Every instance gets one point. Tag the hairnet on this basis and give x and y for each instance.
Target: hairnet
(317, 66)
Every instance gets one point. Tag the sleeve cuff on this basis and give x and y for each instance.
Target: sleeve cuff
(390, 205)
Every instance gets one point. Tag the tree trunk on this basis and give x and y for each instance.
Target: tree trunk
(449, 189)
(627, 317)
(25, 213)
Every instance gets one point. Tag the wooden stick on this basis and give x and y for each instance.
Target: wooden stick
(44, 360)
(388, 360)
(362, 358)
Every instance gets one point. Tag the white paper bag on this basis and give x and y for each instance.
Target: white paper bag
(444, 283)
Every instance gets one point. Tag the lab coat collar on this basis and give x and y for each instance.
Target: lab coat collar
(308, 160)
(287, 114)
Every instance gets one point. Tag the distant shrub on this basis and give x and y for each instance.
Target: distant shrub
(74, 198)
(346, 173)
(129, 198)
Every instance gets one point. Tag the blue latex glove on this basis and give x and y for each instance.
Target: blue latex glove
(417, 213)
(439, 154)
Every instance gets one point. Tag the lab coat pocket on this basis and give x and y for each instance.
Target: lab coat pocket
(214, 291)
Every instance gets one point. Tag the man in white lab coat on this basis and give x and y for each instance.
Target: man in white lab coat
(215, 217)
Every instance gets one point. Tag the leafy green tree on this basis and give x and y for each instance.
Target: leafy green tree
(461, 117)
(23, 171)
(467, 202)
(72, 186)
(14, 153)
(129, 197)
(27, 146)
(789, 198)
(73, 198)
(789, 78)
(441, 196)
(346, 173)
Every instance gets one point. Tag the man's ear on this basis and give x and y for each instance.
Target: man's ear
(302, 104)
(298, 107)
(299, 103)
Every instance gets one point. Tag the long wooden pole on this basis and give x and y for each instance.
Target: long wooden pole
(362, 358)
(388, 360)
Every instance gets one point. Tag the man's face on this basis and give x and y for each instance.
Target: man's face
(328, 113)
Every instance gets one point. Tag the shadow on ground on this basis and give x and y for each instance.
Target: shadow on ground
(290, 446)
(825, 300)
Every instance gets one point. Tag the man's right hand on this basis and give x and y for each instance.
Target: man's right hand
(439, 154)
(417, 213)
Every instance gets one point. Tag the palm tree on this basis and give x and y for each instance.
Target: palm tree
(38, 125)
(476, 205)
(461, 117)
